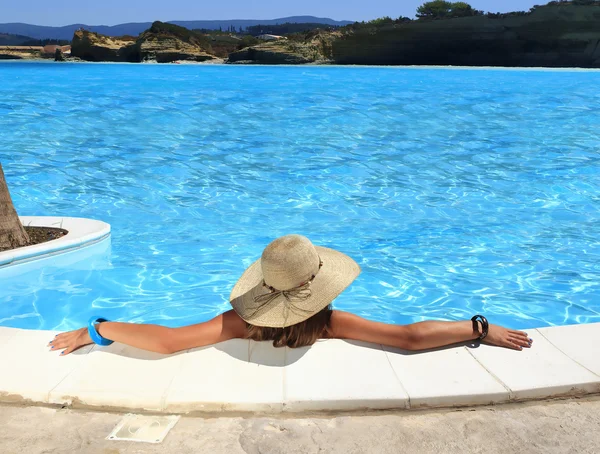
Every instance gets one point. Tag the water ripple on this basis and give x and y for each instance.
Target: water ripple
(457, 191)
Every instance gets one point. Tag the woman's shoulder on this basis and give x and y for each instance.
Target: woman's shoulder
(345, 325)
(233, 324)
(342, 324)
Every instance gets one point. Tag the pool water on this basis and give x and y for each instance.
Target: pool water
(458, 191)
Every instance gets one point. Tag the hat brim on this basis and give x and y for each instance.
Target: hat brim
(337, 273)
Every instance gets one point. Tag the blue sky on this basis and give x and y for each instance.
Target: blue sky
(111, 12)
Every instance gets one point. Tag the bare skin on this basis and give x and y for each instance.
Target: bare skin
(343, 325)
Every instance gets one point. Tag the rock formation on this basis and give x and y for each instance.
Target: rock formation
(20, 52)
(58, 55)
(162, 43)
(271, 54)
(314, 48)
(167, 43)
(90, 46)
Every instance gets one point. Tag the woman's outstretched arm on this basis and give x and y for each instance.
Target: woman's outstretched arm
(422, 335)
(157, 338)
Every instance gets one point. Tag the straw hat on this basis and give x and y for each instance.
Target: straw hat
(292, 281)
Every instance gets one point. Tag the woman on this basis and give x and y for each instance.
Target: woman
(285, 297)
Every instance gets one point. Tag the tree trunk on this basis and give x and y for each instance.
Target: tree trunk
(12, 233)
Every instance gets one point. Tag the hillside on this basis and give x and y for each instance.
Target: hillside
(555, 35)
(134, 29)
(13, 40)
(564, 34)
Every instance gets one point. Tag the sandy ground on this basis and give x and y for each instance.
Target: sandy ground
(571, 426)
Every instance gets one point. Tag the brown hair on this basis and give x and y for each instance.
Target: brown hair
(298, 335)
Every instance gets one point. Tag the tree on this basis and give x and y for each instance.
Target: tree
(12, 233)
(462, 9)
(434, 9)
(439, 9)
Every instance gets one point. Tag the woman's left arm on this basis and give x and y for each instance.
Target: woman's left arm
(157, 338)
(421, 335)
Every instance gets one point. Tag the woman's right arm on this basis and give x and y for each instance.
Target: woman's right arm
(421, 335)
(156, 338)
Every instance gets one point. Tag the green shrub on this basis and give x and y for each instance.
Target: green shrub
(182, 33)
(387, 20)
(247, 41)
(126, 38)
(163, 29)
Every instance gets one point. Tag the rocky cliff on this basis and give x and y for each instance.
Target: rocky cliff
(92, 46)
(271, 54)
(315, 47)
(167, 42)
(161, 42)
(552, 36)
(21, 52)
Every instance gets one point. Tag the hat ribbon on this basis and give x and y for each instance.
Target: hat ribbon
(296, 294)
(291, 296)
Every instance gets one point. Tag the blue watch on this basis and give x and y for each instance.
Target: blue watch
(97, 338)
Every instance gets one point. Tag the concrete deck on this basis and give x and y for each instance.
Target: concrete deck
(540, 428)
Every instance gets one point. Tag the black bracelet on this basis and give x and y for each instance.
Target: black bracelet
(484, 326)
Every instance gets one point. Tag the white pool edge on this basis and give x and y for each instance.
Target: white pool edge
(81, 233)
(332, 375)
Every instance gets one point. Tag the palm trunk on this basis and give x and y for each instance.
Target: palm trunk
(12, 233)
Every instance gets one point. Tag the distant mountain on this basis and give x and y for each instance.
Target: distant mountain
(13, 40)
(135, 28)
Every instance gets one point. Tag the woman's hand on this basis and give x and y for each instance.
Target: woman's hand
(502, 337)
(70, 341)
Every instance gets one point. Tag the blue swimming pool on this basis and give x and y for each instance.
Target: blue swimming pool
(458, 191)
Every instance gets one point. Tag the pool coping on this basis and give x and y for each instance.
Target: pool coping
(332, 375)
(248, 376)
(81, 233)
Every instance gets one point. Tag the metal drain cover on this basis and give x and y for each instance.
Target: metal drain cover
(144, 428)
